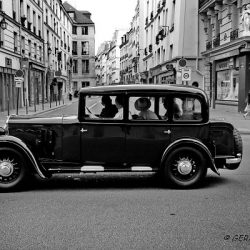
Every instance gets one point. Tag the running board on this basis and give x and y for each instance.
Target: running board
(99, 168)
(92, 169)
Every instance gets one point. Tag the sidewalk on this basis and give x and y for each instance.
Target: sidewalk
(220, 113)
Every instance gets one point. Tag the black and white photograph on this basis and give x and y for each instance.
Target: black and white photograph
(124, 124)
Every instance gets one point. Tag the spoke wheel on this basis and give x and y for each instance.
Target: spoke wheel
(12, 169)
(185, 167)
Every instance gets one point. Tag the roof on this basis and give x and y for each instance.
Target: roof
(144, 88)
(81, 16)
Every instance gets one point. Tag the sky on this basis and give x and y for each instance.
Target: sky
(108, 15)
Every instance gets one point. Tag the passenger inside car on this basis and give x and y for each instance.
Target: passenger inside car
(109, 110)
(143, 104)
(119, 102)
(177, 108)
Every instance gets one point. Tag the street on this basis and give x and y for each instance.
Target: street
(121, 211)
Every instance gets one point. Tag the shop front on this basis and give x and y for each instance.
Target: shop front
(36, 84)
(227, 81)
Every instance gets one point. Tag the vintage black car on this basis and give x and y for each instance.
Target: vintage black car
(124, 128)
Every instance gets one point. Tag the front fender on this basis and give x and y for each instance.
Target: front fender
(15, 143)
(194, 143)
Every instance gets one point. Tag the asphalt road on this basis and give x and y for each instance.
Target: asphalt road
(128, 212)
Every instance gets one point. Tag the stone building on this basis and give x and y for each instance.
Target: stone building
(226, 49)
(22, 48)
(57, 44)
(10, 54)
(171, 34)
(83, 48)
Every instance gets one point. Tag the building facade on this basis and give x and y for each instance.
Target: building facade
(226, 50)
(22, 48)
(10, 55)
(57, 45)
(83, 48)
(171, 34)
(38, 43)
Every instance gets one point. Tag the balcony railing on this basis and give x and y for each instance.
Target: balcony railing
(216, 41)
(234, 34)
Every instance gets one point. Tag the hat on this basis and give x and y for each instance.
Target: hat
(142, 104)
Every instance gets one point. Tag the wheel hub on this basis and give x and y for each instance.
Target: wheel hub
(6, 168)
(184, 167)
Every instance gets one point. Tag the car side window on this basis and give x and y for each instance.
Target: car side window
(101, 107)
(142, 108)
(186, 109)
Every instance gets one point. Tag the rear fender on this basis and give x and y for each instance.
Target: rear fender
(193, 143)
(15, 143)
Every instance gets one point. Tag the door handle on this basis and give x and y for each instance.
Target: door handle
(167, 132)
(83, 130)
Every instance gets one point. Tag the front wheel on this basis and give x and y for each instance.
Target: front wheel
(12, 170)
(185, 167)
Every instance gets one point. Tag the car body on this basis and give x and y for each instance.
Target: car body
(180, 147)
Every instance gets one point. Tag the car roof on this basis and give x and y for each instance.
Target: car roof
(118, 89)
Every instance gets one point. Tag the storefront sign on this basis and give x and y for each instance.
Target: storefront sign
(222, 65)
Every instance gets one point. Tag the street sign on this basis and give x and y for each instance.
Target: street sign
(186, 74)
(18, 84)
(19, 73)
(18, 79)
(182, 62)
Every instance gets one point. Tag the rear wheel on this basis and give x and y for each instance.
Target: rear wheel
(12, 170)
(185, 167)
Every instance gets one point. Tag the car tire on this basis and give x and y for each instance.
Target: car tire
(13, 170)
(185, 167)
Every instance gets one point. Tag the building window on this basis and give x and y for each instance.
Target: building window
(75, 66)
(85, 84)
(23, 44)
(227, 87)
(85, 48)
(85, 30)
(34, 22)
(29, 44)
(74, 48)
(85, 66)
(1, 5)
(47, 20)
(15, 42)
(35, 50)
(74, 30)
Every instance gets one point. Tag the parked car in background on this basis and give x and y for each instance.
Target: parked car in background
(154, 128)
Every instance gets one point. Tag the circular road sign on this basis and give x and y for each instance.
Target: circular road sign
(182, 62)
(19, 73)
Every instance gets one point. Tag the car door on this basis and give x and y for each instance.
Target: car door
(102, 139)
(146, 140)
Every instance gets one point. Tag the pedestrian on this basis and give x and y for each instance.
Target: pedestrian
(247, 108)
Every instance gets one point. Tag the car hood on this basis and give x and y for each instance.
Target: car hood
(34, 119)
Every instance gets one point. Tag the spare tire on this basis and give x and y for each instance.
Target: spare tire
(238, 148)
